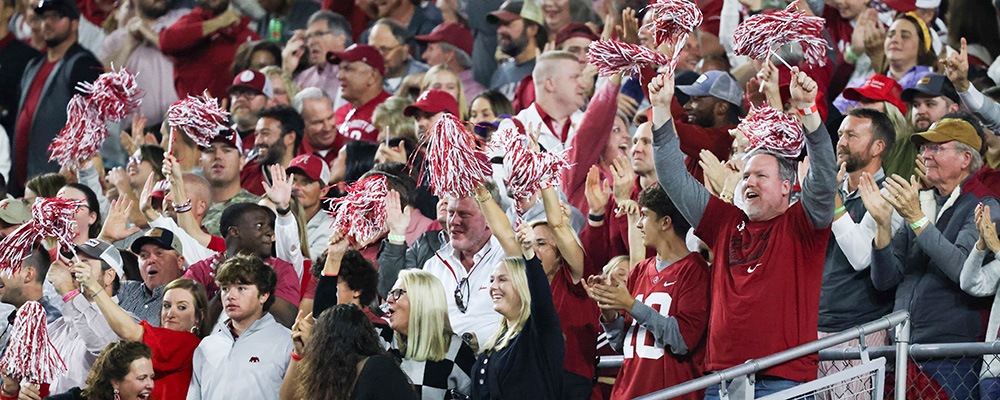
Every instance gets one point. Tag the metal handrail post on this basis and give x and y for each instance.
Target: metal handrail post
(902, 347)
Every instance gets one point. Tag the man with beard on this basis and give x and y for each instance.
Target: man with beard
(279, 133)
(25, 285)
(932, 98)
(848, 297)
(221, 163)
(136, 46)
(47, 85)
(247, 96)
(519, 27)
(325, 32)
(203, 44)
(712, 110)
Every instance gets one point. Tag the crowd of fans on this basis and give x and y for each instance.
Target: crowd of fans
(216, 272)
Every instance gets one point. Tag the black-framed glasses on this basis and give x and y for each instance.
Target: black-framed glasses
(462, 295)
(395, 294)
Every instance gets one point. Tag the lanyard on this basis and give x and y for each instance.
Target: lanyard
(469, 275)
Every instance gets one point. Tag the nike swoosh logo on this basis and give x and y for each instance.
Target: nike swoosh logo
(750, 270)
(665, 284)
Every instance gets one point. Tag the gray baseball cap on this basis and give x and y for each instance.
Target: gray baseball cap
(718, 84)
(104, 251)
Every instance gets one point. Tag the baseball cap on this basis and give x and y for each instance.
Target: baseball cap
(253, 80)
(878, 87)
(452, 33)
(911, 5)
(312, 166)
(512, 10)
(163, 238)
(14, 212)
(575, 30)
(104, 251)
(359, 52)
(949, 129)
(433, 101)
(229, 137)
(66, 8)
(933, 85)
(718, 84)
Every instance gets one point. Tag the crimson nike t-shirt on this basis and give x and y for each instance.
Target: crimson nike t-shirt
(766, 282)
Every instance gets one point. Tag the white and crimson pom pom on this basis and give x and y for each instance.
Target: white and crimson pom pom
(611, 57)
(772, 130)
(455, 166)
(361, 214)
(761, 34)
(82, 137)
(673, 19)
(113, 94)
(527, 169)
(30, 354)
(50, 218)
(202, 119)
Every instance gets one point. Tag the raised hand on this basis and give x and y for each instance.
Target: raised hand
(280, 190)
(114, 228)
(301, 330)
(397, 216)
(526, 238)
(802, 88)
(987, 230)
(597, 191)
(715, 172)
(624, 178)
(627, 208)
(630, 27)
(956, 68)
(661, 91)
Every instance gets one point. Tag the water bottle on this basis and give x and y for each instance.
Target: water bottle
(274, 30)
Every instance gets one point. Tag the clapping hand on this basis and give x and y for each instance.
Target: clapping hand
(987, 230)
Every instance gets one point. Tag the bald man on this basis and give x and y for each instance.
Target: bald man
(197, 244)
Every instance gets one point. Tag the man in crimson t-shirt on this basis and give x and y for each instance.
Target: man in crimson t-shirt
(768, 264)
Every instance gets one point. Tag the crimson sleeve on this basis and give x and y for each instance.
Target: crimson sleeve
(183, 34)
(588, 142)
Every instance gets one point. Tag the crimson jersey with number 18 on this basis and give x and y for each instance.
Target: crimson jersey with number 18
(680, 291)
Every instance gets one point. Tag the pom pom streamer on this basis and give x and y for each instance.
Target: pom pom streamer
(455, 166)
(201, 118)
(672, 21)
(113, 94)
(30, 355)
(111, 97)
(770, 129)
(760, 35)
(361, 214)
(612, 57)
(526, 169)
(50, 218)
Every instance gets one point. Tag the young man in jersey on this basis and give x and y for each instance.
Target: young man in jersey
(768, 268)
(666, 301)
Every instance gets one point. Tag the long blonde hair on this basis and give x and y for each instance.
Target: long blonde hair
(463, 106)
(519, 280)
(429, 332)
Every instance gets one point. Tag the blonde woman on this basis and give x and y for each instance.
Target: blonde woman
(524, 359)
(441, 77)
(284, 88)
(418, 313)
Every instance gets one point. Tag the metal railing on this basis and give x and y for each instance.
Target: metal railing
(741, 374)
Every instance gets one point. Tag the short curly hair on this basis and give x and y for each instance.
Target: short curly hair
(249, 270)
(113, 364)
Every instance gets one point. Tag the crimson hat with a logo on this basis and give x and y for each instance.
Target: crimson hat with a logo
(253, 80)
(575, 30)
(433, 101)
(359, 52)
(452, 33)
(878, 87)
(312, 166)
(911, 5)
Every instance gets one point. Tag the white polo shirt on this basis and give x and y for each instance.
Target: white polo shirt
(479, 317)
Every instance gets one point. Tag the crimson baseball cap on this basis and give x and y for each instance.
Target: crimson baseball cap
(575, 30)
(878, 87)
(359, 52)
(433, 101)
(253, 80)
(513, 10)
(312, 166)
(911, 5)
(452, 33)
(162, 238)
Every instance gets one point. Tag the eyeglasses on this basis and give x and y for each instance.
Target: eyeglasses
(395, 294)
(462, 293)
(135, 160)
(934, 148)
(318, 34)
(244, 93)
(386, 50)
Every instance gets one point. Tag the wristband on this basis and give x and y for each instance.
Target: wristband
(183, 208)
(849, 55)
(545, 184)
(595, 218)
(69, 296)
(728, 198)
(919, 224)
(396, 238)
(839, 210)
(283, 211)
(810, 110)
(296, 357)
